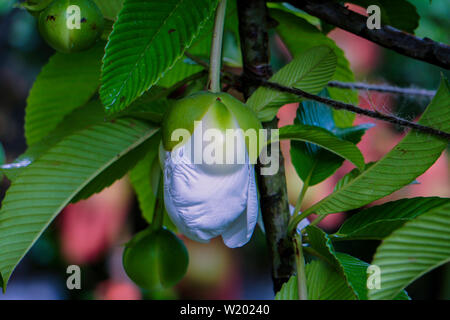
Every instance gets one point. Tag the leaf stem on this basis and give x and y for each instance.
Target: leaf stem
(295, 221)
(158, 215)
(338, 105)
(382, 88)
(301, 270)
(296, 217)
(302, 194)
(216, 48)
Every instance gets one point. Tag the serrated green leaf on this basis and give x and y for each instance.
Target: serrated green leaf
(380, 221)
(399, 14)
(414, 249)
(149, 37)
(321, 243)
(289, 290)
(52, 181)
(201, 46)
(326, 140)
(83, 117)
(299, 36)
(352, 270)
(152, 110)
(405, 162)
(310, 161)
(350, 176)
(309, 72)
(65, 83)
(87, 116)
(150, 106)
(322, 247)
(325, 283)
(144, 178)
(109, 8)
(116, 170)
(356, 272)
(182, 69)
(322, 281)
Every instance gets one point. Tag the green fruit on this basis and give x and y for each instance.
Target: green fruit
(36, 5)
(65, 30)
(155, 259)
(218, 110)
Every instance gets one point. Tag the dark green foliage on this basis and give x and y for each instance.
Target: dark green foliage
(94, 116)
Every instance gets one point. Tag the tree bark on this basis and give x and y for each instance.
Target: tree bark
(391, 38)
(273, 193)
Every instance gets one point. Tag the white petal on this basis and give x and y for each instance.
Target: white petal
(241, 230)
(200, 203)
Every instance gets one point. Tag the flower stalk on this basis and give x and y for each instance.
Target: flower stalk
(216, 48)
(301, 270)
(302, 195)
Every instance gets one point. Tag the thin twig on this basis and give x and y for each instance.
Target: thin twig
(389, 37)
(344, 85)
(301, 270)
(236, 80)
(349, 107)
(382, 88)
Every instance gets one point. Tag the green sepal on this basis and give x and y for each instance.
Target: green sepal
(220, 111)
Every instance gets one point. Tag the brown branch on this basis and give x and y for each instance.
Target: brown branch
(339, 84)
(274, 201)
(238, 82)
(391, 38)
(349, 107)
(382, 88)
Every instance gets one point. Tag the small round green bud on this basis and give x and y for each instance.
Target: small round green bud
(216, 111)
(71, 25)
(155, 259)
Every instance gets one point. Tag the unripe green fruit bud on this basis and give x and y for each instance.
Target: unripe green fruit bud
(217, 111)
(36, 5)
(155, 259)
(71, 25)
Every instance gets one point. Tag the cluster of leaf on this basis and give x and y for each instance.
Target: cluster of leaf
(82, 135)
(415, 232)
(94, 116)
